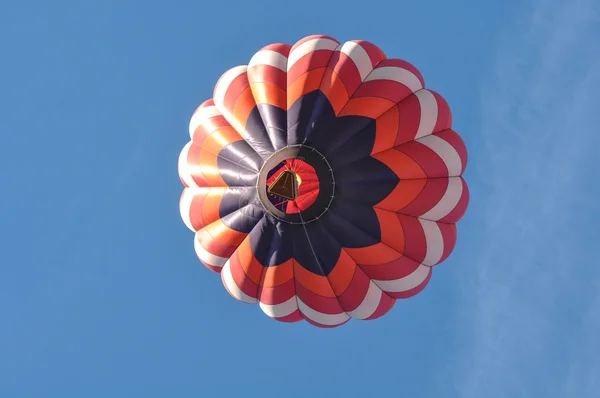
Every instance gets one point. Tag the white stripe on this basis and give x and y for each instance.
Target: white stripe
(452, 196)
(234, 290)
(184, 167)
(446, 152)
(434, 241)
(429, 112)
(198, 117)
(185, 206)
(206, 257)
(319, 317)
(280, 310)
(268, 57)
(308, 47)
(369, 304)
(396, 74)
(359, 56)
(408, 282)
(223, 84)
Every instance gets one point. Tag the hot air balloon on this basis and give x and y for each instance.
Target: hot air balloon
(323, 181)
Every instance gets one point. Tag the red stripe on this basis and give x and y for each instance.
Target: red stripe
(209, 102)
(267, 74)
(430, 195)
(306, 200)
(208, 126)
(313, 60)
(295, 316)
(387, 89)
(325, 305)
(243, 282)
(346, 69)
(409, 116)
(356, 292)
(414, 236)
(193, 165)
(277, 294)
(449, 236)
(212, 268)
(399, 268)
(235, 89)
(444, 116)
(427, 159)
(281, 48)
(214, 246)
(195, 209)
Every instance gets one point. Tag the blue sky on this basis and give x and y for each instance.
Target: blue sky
(101, 293)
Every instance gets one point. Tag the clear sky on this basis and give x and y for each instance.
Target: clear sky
(101, 293)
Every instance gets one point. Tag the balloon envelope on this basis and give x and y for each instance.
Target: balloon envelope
(323, 181)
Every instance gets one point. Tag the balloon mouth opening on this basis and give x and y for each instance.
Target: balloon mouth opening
(285, 185)
(296, 184)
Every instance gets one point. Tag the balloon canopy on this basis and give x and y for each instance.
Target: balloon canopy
(323, 181)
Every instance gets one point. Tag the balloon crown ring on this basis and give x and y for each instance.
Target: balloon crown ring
(296, 184)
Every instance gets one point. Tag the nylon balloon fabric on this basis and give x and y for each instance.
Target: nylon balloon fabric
(323, 181)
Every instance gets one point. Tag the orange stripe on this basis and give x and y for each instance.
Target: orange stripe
(306, 83)
(334, 88)
(211, 204)
(392, 233)
(219, 139)
(210, 170)
(265, 93)
(278, 275)
(386, 130)
(403, 165)
(207, 126)
(243, 106)
(342, 274)
(317, 284)
(373, 255)
(252, 268)
(405, 192)
(222, 233)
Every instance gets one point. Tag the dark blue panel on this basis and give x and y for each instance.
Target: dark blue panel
(256, 134)
(303, 252)
(245, 218)
(271, 241)
(352, 225)
(366, 170)
(360, 183)
(235, 175)
(367, 193)
(275, 120)
(283, 250)
(260, 240)
(326, 249)
(241, 153)
(236, 198)
(312, 121)
(343, 130)
(309, 114)
(356, 147)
